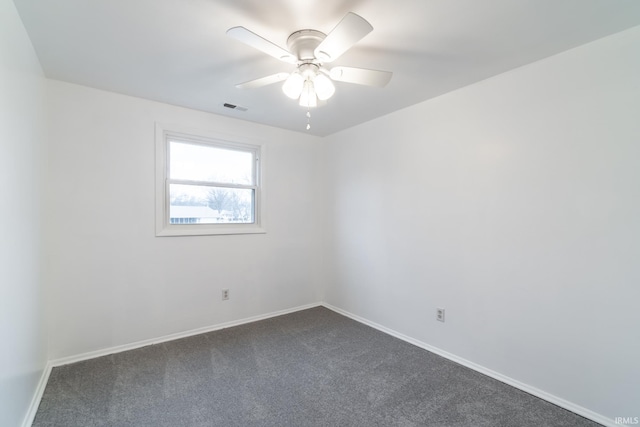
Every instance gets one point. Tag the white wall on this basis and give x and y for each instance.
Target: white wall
(22, 124)
(514, 204)
(112, 281)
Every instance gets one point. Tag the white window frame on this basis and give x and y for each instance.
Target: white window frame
(165, 133)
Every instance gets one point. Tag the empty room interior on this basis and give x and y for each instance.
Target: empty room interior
(446, 193)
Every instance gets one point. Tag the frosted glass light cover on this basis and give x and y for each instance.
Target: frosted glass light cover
(324, 87)
(292, 87)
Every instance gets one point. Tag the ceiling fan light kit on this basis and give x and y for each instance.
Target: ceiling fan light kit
(307, 83)
(309, 50)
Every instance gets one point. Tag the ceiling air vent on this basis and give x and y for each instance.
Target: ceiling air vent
(235, 107)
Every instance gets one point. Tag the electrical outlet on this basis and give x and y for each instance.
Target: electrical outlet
(225, 294)
(440, 314)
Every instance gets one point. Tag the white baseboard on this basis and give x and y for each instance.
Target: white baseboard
(28, 420)
(37, 396)
(171, 337)
(577, 409)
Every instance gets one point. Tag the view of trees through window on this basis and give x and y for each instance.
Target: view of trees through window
(210, 205)
(210, 184)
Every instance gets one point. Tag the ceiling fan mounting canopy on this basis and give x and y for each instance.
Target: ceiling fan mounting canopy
(309, 50)
(303, 44)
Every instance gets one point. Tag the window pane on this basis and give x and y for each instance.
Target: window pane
(192, 204)
(212, 164)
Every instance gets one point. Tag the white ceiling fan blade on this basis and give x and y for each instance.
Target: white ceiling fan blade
(361, 76)
(252, 39)
(348, 32)
(263, 81)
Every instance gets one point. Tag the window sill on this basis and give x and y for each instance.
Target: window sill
(195, 230)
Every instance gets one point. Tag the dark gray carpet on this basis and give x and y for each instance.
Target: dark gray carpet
(310, 368)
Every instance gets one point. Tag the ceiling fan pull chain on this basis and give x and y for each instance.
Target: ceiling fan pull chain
(308, 119)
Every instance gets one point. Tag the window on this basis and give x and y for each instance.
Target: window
(207, 184)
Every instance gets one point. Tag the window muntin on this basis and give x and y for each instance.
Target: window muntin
(209, 186)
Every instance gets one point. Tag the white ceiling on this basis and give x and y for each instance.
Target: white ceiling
(176, 51)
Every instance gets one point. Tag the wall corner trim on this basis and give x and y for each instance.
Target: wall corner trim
(37, 396)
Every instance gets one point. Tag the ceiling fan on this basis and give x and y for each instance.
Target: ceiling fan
(309, 51)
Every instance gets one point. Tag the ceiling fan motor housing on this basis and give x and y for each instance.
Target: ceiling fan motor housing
(303, 43)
